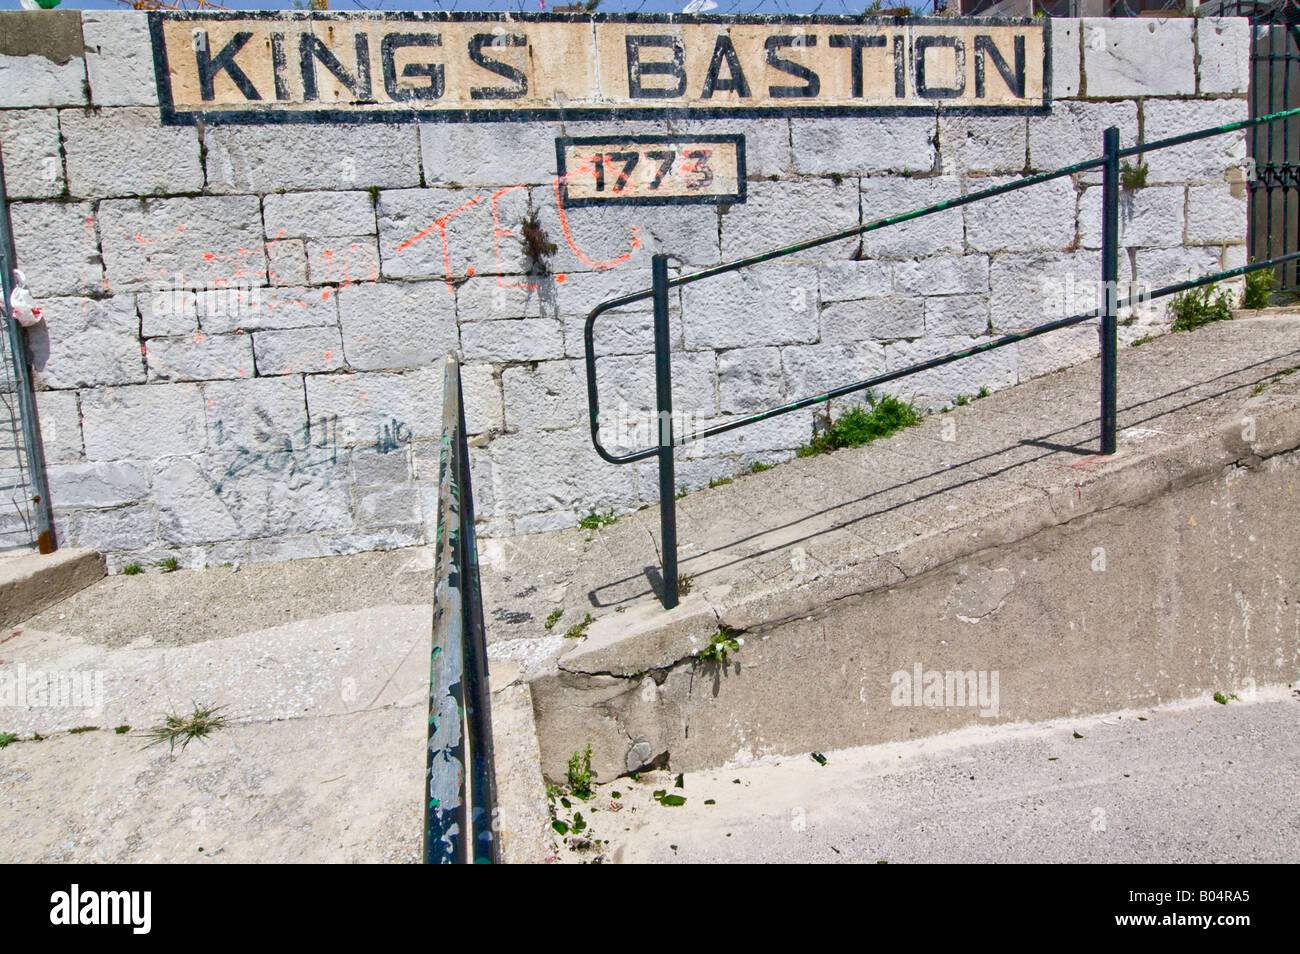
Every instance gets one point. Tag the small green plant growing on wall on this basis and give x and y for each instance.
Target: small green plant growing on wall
(553, 618)
(1200, 306)
(1131, 177)
(131, 569)
(169, 565)
(537, 245)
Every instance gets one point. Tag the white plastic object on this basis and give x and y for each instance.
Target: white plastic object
(21, 303)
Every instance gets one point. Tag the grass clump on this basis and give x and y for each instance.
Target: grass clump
(685, 583)
(8, 738)
(719, 481)
(169, 565)
(595, 520)
(758, 467)
(131, 569)
(203, 721)
(121, 729)
(1200, 306)
(1258, 290)
(578, 774)
(83, 728)
(553, 618)
(1223, 700)
(880, 417)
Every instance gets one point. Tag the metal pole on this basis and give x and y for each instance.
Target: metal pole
(45, 538)
(664, 396)
(1110, 290)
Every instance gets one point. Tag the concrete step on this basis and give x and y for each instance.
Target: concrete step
(31, 582)
(991, 540)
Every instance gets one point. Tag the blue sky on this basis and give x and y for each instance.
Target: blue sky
(838, 7)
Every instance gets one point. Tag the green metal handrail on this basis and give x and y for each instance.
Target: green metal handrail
(1108, 162)
(460, 782)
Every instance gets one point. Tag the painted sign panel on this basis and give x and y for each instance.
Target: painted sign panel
(467, 67)
(651, 170)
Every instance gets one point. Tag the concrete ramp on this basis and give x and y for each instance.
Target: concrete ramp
(984, 567)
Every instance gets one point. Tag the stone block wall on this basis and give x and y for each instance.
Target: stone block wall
(245, 324)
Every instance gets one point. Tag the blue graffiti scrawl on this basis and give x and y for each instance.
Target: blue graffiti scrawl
(392, 436)
(314, 452)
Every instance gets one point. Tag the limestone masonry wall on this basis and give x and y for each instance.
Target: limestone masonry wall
(241, 358)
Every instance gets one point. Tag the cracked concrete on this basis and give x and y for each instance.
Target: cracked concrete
(815, 558)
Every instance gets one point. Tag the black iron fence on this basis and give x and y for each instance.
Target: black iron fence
(460, 789)
(1107, 311)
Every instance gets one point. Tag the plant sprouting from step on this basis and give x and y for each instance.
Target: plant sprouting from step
(881, 416)
(595, 520)
(200, 723)
(725, 640)
(1258, 292)
(578, 774)
(1200, 306)
(580, 629)
(553, 618)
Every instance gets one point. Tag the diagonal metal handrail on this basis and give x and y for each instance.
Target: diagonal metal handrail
(460, 782)
(1108, 162)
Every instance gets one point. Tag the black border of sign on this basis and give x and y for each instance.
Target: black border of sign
(170, 116)
(714, 198)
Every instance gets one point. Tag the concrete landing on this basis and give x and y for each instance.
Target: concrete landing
(33, 581)
(778, 547)
(323, 756)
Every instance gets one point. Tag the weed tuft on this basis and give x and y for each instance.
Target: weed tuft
(203, 721)
(596, 520)
(1200, 306)
(725, 640)
(580, 629)
(169, 565)
(131, 569)
(553, 618)
(882, 416)
(1259, 289)
(1131, 177)
(578, 774)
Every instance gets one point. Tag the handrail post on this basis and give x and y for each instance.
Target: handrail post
(1109, 289)
(664, 401)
